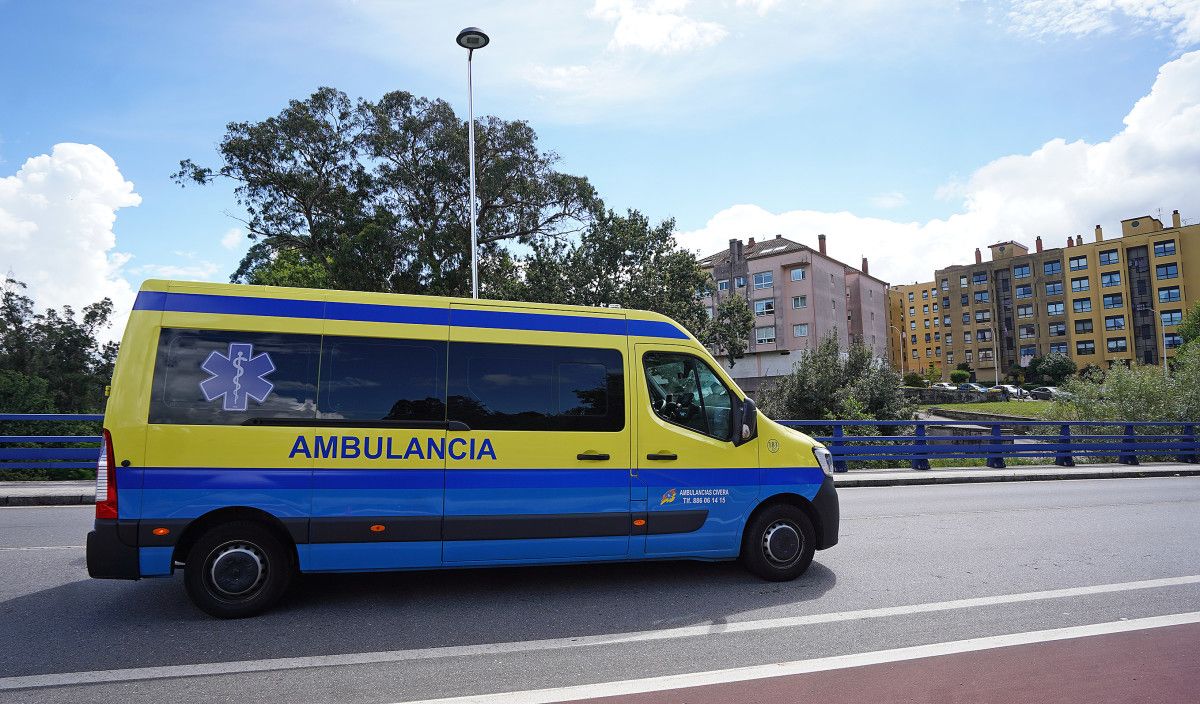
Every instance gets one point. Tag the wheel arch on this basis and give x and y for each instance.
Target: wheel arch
(216, 517)
(789, 499)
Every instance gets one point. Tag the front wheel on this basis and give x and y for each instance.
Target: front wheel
(237, 569)
(779, 543)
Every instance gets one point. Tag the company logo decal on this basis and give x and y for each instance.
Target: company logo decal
(773, 445)
(667, 497)
(238, 377)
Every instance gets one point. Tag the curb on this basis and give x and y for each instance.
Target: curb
(48, 500)
(922, 478)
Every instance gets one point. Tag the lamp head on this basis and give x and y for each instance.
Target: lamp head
(472, 38)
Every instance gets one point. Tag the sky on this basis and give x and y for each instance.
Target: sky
(908, 131)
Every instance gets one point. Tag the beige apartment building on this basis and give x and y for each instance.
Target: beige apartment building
(1102, 302)
(919, 328)
(798, 295)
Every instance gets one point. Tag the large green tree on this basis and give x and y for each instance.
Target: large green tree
(374, 195)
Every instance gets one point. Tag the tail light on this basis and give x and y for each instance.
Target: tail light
(106, 480)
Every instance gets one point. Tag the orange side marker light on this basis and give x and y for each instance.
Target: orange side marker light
(161, 531)
(639, 522)
(378, 528)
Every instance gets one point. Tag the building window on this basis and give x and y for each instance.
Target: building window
(1025, 291)
(945, 301)
(967, 337)
(1058, 348)
(1080, 284)
(945, 284)
(1168, 294)
(1052, 268)
(912, 310)
(1028, 331)
(914, 354)
(1108, 257)
(911, 296)
(1112, 278)
(946, 321)
(1082, 305)
(925, 309)
(985, 355)
(1057, 329)
(1171, 317)
(928, 352)
(1054, 288)
(1054, 308)
(800, 330)
(765, 307)
(925, 295)
(1025, 310)
(1021, 271)
(1164, 249)
(740, 282)
(982, 297)
(763, 279)
(983, 335)
(962, 281)
(764, 335)
(926, 324)
(798, 274)
(1113, 300)
(1083, 326)
(1028, 350)
(983, 316)
(1166, 271)
(937, 352)
(914, 339)
(935, 307)
(1117, 344)
(937, 337)
(1172, 340)
(912, 325)
(928, 337)
(949, 356)
(799, 302)
(723, 285)
(1114, 322)
(1085, 347)
(1078, 263)
(979, 278)
(964, 300)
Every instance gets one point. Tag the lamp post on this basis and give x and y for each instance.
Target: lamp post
(900, 349)
(472, 38)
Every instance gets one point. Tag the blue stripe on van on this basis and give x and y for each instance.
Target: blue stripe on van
(414, 315)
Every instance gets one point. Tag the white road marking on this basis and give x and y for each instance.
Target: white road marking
(491, 649)
(46, 547)
(799, 667)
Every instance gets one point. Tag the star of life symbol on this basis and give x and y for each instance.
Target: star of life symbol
(238, 376)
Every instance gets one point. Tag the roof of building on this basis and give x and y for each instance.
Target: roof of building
(775, 246)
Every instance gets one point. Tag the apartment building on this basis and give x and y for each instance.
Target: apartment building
(1102, 302)
(798, 296)
(919, 328)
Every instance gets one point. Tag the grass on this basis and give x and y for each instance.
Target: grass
(1021, 409)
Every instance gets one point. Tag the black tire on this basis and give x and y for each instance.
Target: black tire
(237, 569)
(779, 543)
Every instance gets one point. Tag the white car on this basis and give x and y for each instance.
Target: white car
(944, 386)
(1013, 391)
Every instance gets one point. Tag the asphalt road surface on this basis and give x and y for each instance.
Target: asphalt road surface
(1029, 591)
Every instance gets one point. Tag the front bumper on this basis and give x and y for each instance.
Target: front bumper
(109, 556)
(828, 511)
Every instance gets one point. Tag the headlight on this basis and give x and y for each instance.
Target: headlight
(825, 459)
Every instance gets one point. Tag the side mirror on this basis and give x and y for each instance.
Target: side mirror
(745, 422)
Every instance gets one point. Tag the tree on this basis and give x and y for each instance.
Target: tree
(958, 376)
(374, 195)
(729, 329)
(1136, 393)
(914, 379)
(932, 374)
(1189, 329)
(1051, 369)
(824, 384)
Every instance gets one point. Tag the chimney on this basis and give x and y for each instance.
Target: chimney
(735, 251)
(1070, 242)
(978, 256)
(821, 243)
(1175, 220)
(1078, 240)
(865, 270)
(1038, 243)
(751, 244)
(1099, 234)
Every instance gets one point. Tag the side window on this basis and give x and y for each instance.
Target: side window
(686, 392)
(211, 377)
(532, 387)
(369, 379)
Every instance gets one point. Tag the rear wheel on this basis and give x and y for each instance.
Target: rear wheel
(779, 543)
(237, 569)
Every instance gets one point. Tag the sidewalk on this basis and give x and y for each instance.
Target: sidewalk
(74, 493)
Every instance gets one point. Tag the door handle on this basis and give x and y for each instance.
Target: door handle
(592, 456)
(662, 456)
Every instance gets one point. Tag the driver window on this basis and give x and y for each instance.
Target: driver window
(685, 391)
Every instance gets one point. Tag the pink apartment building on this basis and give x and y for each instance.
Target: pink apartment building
(798, 295)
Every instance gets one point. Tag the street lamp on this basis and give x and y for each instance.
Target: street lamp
(472, 38)
(900, 334)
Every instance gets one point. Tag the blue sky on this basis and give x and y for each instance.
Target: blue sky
(929, 123)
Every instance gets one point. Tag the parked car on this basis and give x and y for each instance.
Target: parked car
(1013, 391)
(1049, 393)
(972, 386)
(944, 386)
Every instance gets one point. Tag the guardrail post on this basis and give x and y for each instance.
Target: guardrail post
(1128, 453)
(1189, 436)
(923, 461)
(838, 465)
(995, 460)
(1064, 458)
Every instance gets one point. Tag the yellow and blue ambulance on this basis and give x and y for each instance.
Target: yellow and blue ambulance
(253, 432)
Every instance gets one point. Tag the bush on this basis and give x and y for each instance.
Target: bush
(914, 379)
(958, 376)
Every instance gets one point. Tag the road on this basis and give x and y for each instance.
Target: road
(1058, 573)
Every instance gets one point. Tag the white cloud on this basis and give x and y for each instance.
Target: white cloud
(1061, 189)
(889, 200)
(56, 227)
(657, 26)
(1040, 18)
(233, 238)
(762, 7)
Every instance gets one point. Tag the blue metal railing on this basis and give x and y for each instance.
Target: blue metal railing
(988, 441)
(49, 452)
